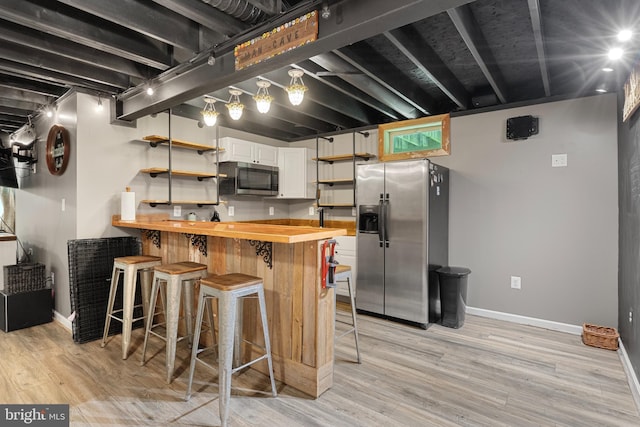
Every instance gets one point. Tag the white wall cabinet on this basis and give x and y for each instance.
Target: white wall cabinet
(294, 174)
(345, 253)
(238, 150)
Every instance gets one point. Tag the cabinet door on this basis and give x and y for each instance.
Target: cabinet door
(293, 182)
(236, 150)
(265, 155)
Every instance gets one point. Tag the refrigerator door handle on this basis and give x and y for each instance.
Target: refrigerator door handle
(385, 215)
(381, 225)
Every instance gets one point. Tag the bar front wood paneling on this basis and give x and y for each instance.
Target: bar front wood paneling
(299, 311)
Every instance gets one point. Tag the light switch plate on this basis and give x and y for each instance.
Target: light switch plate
(231, 211)
(558, 160)
(271, 211)
(177, 211)
(311, 210)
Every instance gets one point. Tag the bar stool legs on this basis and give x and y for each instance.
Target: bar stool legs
(228, 289)
(343, 273)
(179, 277)
(130, 266)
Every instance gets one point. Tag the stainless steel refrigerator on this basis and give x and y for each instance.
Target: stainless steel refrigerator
(403, 228)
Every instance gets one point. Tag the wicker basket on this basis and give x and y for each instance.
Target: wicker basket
(600, 336)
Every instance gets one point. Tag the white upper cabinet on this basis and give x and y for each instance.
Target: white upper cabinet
(238, 150)
(294, 173)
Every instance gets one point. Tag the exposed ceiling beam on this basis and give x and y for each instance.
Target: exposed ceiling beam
(536, 23)
(24, 70)
(332, 62)
(17, 105)
(10, 119)
(344, 110)
(51, 61)
(270, 7)
(109, 38)
(352, 21)
(157, 22)
(32, 85)
(411, 44)
(65, 48)
(205, 15)
(20, 112)
(469, 30)
(22, 95)
(364, 57)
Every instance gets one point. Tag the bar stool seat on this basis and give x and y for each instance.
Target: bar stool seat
(178, 278)
(228, 289)
(130, 266)
(343, 273)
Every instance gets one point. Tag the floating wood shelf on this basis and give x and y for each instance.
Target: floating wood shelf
(331, 182)
(154, 172)
(155, 140)
(199, 203)
(343, 157)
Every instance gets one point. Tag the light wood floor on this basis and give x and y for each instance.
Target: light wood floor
(488, 373)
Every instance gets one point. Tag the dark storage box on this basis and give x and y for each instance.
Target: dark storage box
(25, 309)
(24, 277)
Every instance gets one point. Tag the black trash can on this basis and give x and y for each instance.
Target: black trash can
(453, 295)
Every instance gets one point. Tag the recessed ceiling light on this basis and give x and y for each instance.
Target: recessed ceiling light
(624, 35)
(607, 69)
(601, 90)
(615, 53)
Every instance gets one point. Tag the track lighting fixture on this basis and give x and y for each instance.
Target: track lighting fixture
(99, 106)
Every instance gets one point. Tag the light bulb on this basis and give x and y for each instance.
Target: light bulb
(296, 88)
(624, 35)
(150, 90)
(209, 113)
(99, 107)
(616, 53)
(262, 98)
(234, 105)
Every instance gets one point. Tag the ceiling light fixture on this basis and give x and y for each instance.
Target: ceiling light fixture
(262, 98)
(149, 89)
(625, 35)
(601, 90)
(49, 109)
(234, 105)
(607, 69)
(615, 53)
(209, 113)
(296, 88)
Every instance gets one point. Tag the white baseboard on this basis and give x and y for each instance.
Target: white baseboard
(62, 320)
(634, 385)
(524, 320)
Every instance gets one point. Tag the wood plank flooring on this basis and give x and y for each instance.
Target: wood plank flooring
(488, 373)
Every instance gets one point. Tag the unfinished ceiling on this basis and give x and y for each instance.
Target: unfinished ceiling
(375, 61)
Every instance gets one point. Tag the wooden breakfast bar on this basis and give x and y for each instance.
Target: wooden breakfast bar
(288, 258)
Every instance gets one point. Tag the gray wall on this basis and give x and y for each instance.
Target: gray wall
(511, 213)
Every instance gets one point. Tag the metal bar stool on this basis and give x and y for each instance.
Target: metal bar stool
(228, 288)
(343, 273)
(179, 277)
(129, 266)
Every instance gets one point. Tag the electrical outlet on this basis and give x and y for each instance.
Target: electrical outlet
(516, 282)
(630, 316)
(53, 278)
(177, 210)
(271, 211)
(353, 212)
(231, 211)
(558, 160)
(63, 204)
(311, 211)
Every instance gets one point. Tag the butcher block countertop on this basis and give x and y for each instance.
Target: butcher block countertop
(233, 230)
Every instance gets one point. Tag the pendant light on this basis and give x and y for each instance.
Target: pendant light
(262, 98)
(209, 113)
(234, 105)
(296, 88)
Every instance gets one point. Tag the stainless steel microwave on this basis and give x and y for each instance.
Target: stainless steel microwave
(248, 179)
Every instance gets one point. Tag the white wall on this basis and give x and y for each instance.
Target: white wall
(511, 213)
